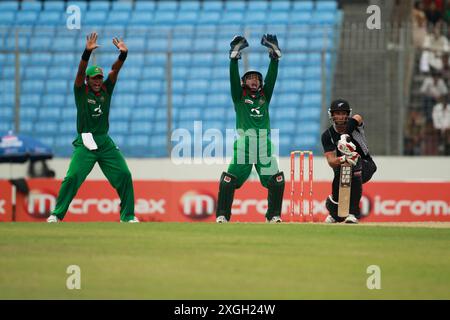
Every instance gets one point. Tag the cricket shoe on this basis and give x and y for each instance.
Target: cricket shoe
(276, 219)
(53, 219)
(134, 220)
(221, 219)
(351, 219)
(330, 219)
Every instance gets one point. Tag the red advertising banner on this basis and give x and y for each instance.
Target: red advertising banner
(195, 201)
(5, 201)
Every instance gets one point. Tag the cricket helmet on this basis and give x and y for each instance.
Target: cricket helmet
(339, 105)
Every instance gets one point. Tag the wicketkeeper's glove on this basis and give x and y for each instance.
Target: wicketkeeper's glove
(270, 41)
(237, 44)
(345, 146)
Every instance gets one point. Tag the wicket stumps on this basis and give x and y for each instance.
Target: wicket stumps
(300, 197)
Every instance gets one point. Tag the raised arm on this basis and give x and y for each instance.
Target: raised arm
(91, 45)
(237, 44)
(271, 42)
(117, 65)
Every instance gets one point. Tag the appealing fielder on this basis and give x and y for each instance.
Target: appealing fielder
(93, 143)
(345, 142)
(251, 97)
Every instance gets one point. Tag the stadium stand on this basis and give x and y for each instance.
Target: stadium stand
(197, 33)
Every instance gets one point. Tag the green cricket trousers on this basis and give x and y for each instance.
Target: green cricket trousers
(113, 165)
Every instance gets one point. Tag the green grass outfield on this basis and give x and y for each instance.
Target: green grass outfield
(232, 261)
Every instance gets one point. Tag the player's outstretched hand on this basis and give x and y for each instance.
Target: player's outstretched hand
(91, 41)
(120, 44)
(270, 41)
(237, 44)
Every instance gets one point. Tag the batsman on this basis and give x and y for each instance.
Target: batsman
(251, 97)
(93, 144)
(345, 145)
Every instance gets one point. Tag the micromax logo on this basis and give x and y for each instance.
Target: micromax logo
(40, 204)
(197, 205)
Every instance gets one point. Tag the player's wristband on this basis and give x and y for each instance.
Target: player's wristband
(123, 55)
(86, 55)
(351, 125)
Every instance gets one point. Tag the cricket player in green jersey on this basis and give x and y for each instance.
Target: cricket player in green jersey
(251, 96)
(93, 144)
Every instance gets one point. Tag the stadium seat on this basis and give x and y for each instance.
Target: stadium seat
(54, 6)
(303, 6)
(50, 111)
(209, 17)
(119, 127)
(326, 6)
(186, 17)
(99, 6)
(280, 5)
(144, 6)
(147, 100)
(195, 100)
(7, 17)
(142, 114)
(9, 5)
(31, 6)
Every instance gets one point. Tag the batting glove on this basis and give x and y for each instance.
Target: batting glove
(351, 159)
(270, 41)
(237, 44)
(345, 146)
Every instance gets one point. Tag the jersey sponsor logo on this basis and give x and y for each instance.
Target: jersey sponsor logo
(91, 101)
(256, 112)
(98, 111)
(248, 101)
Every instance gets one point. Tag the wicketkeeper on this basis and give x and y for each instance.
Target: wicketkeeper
(251, 97)
(345, 142)
(93, 144)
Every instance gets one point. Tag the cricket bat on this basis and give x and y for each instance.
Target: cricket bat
(345, 185)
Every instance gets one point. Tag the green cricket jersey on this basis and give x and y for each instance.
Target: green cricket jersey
(93, 110)
(252, 112)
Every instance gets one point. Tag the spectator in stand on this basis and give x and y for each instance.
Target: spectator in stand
(419, 24)
(414, 132)
(433, 88)
(434, 46)
(433, 13)
(441, 122)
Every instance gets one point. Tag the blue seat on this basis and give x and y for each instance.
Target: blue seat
(28, 113)
(142, 114)
(297, 43)
(180, 72)
(61, 44)
(94, 16)
(9, 5)
(158, 44)
(170, 5)
(181, 59)
(285, 126)
(50, 18)
(136, 43)
(118, 126)
(161, 125)
(46, 127)
(197, 86)
(143, 18)
(187, 17)
(7, 18)
(129, 86)
(6, 114)
(31, 6)
(177, 102)
(288, 85)
(63, 59)
(281, 5)
(118, 17)
(324, 17)
(151, 86)
(144, 5)
(255, 6)
(57, 86)
(220, 86)
(286, 113)
(293, 73)
(22, 43)
(124, 100)
(314, 86)
(209, 17)
(27, 126)
(157, 73)
(122, 6)
(195, 100)
(314, 72)
(147, 100)
(26, 17)
(258, 17)
(69, 113)
(119, 112)
(199, 73)
(300, 17)
(164, 17)
(303, 6)
(99, 6)
(155, 59)
(30, 100)
(230, 17)
(235, 6)
(204, 44)
(82, 5)
(282, 100)
(214, 5)
(211, 112)
(309, 127)
(194, 113)
(131, 73)
(178, 86)
(143, 127)
(182, 45)
(54, 6)
(305, 142)
(67, 127)
(326, 5)
(220, 73)
(9, 72)
(58, 72)
(320, 44)
(7, 87)
(52, 112)
(54, 100)
(313, 100)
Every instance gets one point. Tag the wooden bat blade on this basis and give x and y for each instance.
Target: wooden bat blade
(345, 184)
